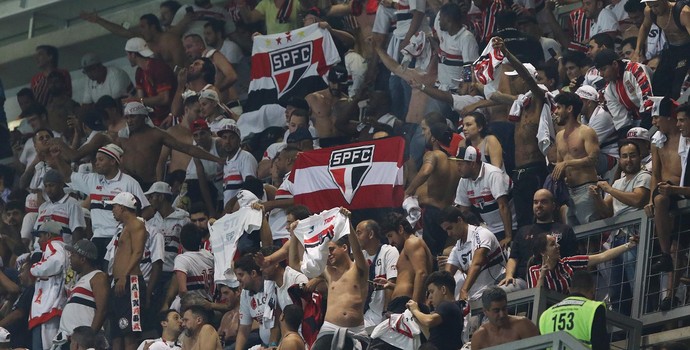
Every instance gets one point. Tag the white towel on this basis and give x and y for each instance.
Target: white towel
(400, 330)
(487, 68)
(659, 139)
(271, 115)
(314, 233)
(413, 210)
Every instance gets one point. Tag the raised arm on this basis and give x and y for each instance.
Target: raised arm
(497, 43)
(356, 248)
(192, 150)
(107, 25)
(611, 254)
(443, 96)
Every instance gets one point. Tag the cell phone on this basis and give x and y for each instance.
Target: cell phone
(467, 73)
(189, 9)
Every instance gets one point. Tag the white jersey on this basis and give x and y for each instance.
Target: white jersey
(606, 23)
(224, 234)
(170, 228)
(314, 233)
(384, 267)
(483, 193)
(237, 169)
(602, 123)
(50, 294)
(66, 211)
(115, 85)
(154, 250)
(100, 190)
(259, 307)
(454, 51)
(214, 172)
(81, 305)
(403, 15)
(290, 278)
(198, 266)
(462, 254)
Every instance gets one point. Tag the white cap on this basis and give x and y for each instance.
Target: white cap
(209, 95)
(227, 124)
(159, 187)
(159, 345)
(136, 108)
(4, 336)
(139, 46)
(469, 154)
(125, 199)
(530, 68)
(638, 133)
(588, 93)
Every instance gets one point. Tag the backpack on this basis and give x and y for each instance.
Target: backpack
(677, 9)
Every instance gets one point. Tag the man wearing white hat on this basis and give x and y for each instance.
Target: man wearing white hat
(640, 136)
(126, 301)
(102, 80)
(143, 146)
(101, 186)
(239, 165)
(155, 81)
(212, 110)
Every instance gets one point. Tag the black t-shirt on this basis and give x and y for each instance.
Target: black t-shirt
(521, 248)
(526, 48)
(21, 336)
(448, 334)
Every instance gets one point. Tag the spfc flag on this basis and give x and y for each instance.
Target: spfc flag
(289, 64)
(355, 176)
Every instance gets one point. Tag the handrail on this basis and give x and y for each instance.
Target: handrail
(558, 340)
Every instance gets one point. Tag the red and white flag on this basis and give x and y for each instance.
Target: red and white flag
(355, 176)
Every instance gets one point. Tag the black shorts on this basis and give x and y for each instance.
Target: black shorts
(126, 310)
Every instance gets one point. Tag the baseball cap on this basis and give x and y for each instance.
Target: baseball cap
(337, 75)
(588, 92)
(136, 108)
(89, 59)
(298, 135)
(638, 133)
(199, 124)
(530, 68)
(85, 248)
(605, 57)
(51, 227)
(125, 199)
(4, 336)
(53, 176)
(665, 107)
(159, 187)
(469, 154)
(113, 151)
(139, 46)
(209, 95)
(314, 11)
(94, 120)
(228, 125)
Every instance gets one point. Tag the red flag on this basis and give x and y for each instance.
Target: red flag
(355, 176)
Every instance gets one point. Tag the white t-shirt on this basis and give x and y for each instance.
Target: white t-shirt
(606, 22)
(277, 218)
(198, 266)
(67, 212)
(290, 278)
(483, 193)
(253, 307)
(236, 169)
(170, 228)
(407, 7)
(462, 254)
(602, 123)
(641, 179)
(454, 51)
(385, 267)
(154, 250)
(356, 66)
(203, 16)
(231, 51)
(115, 85)
(548, 43)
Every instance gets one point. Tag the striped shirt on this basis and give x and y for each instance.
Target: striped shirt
(559, 278)
(81, 304)
(277, 218)
(235, 171)
(580, 26)
(198, 269)
(67, 212)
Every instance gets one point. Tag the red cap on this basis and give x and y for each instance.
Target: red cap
(199, 124)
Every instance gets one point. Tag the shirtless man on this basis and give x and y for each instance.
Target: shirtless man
(578, 151)
(440, 177)
(113, 118)
(143, 146)
(198, 333)
(321, 104)
(165, 45)
(182, 133)
(666, 171)
(226, 76)
(347, 284)
(414, 264)
(530, 167)
(200, 75)
(129, 285)
(502, 328)
(673, 66)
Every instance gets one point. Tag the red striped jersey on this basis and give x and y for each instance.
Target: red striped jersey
(580, 26)
(235, 170)
(559, 278)
(81, 304)
(198, 267)
(66, 211)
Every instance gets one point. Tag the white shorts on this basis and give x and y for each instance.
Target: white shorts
(330, 327)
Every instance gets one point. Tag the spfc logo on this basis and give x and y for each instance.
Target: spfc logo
(348, 168)
(288, 66)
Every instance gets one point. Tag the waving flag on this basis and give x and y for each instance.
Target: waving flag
(289, 64)
(355, 176)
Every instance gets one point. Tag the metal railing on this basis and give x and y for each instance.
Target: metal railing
(559, 340)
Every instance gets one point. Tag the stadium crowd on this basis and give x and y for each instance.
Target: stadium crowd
(143, 215)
